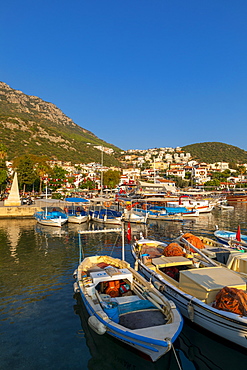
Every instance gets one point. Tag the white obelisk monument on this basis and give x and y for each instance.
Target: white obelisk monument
(14, 196)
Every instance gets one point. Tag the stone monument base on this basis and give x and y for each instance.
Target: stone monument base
(11, 203)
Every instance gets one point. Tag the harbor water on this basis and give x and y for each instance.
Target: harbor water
(44, 326)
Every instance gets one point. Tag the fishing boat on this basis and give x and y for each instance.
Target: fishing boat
(135, 216)
(230, 237)
(106, 216)
(77, 213)
(51, 217)
(121, 303)
(201, 205)
(196, 284)
(234, 257)
(237, 196)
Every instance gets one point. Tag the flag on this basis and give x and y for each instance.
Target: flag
(129, 232)
(238, 235)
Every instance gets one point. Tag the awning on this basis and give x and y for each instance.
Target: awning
(76, 200)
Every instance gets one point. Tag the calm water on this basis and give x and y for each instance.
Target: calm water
(42, 326)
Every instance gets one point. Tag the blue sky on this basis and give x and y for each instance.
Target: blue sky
(139, 74)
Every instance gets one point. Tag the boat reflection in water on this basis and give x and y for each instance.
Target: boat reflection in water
(206, 353)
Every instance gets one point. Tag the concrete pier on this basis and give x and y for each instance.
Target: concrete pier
(27, 211)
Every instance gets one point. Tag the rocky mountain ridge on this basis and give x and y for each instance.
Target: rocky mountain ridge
(30, 125)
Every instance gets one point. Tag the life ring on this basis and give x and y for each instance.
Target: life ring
(66, 210)
(107, 204)
(128, 207)
(78, 209)
(144, 206)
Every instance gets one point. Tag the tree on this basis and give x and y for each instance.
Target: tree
(3, 167)
(59, 177)
(111, 178)
(25, 172)
(41, 168)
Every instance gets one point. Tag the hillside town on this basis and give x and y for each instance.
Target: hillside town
(167, 169)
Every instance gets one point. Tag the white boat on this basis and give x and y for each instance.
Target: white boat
(52, 217)
(224, 206)
(201, 205)
(135, 216)
(124, 305)
(76, 213)
(106, 216)
(195, 285)
(230, 237)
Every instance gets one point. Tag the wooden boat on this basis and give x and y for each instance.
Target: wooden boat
(107, 216)
(124, 305)
(52, 217)
(76, 213)
(201, 205)
(234, 257)
(135, 216)
(230, 237)
(237, 197)
(194, 284)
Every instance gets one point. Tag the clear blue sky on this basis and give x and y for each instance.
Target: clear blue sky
(137, 73)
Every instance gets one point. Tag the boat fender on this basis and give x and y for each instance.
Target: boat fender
(190, 309)
(76, 288)
(96, 325)
(75, 274)
(159, 286)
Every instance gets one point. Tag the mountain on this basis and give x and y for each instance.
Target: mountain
(211, 152)
(29, 125)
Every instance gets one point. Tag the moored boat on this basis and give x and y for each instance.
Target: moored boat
(52, 217)
(230, 237)
(77, 213)
(124, 305)
(195, 284)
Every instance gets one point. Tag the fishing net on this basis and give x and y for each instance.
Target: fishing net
(194, 240)
(232, 300)
(173, 249)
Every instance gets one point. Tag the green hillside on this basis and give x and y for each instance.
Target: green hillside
(211, 152)
(29, 125)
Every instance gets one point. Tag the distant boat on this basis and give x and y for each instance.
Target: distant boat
(76, 213)
(106, 216)
(230, 237)
(52, 217)
(237, 197)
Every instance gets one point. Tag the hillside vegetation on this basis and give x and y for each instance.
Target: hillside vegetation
(211, 152)
(29, 125)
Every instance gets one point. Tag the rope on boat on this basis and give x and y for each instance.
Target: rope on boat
(176, 357)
